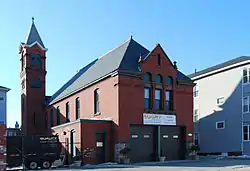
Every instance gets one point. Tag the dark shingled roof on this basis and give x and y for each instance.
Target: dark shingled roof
(123, 58)
(219, 66)
(33, 36)
(4, 88)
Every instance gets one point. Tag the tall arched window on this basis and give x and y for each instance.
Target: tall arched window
(170, 80)
(97, 101)
(147, 77)
(158, 78)
(67, 112)
(58, 116)
(77, 108)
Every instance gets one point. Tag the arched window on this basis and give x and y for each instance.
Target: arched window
(58, 115)
(97, 101)
(158, 78)
(77, 108)
(67, 112)
(147, 77)
(170, 80)
(73, 142)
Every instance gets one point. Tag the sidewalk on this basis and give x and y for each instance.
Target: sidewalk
(132, 165)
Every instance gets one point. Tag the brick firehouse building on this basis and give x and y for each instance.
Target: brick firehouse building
(129, 97)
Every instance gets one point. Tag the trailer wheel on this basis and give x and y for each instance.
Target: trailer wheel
(46, 164)
(33, 165)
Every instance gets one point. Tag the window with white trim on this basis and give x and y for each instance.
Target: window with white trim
(196, 90)
(196, 115)
(246, 132)
(220, 100)
(220, 125)
(245, 104)
(196, 138)
(246, 75)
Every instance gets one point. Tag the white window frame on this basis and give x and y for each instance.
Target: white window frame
(248, 135)
(198, 136)
(218, 100)
(196, 115)
(248, 76)
(196, 91)
(248, 105)
(220, 122)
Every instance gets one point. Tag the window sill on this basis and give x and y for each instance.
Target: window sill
(159, 111)
(247, 83)
(97, 114)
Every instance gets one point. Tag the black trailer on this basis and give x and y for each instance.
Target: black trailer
(32, 151)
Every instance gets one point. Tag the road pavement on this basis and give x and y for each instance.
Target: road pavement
(204, 165)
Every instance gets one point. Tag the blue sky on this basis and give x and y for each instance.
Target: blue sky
(197, 34)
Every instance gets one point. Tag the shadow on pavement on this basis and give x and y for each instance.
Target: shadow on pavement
(213, 163)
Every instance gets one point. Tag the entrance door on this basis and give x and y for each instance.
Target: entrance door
(100, 147)
(172, 142)
(142, 143)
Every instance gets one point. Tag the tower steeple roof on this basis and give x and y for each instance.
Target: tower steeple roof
(33, 36)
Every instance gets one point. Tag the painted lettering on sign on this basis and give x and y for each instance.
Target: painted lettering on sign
(159, 119)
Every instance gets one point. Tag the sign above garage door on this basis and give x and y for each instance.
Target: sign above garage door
(158, 119)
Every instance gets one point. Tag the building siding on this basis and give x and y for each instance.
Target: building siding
(3, 123)
(228, 85)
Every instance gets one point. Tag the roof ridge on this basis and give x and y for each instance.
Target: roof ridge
(219, 65)
(115, 48)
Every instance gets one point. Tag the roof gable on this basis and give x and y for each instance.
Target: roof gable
(156, 47)
(123, 58)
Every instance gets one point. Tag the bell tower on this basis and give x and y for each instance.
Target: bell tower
(32, 79)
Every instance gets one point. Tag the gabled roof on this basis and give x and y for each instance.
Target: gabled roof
(123, 58)
(220, 66)
(33, 36)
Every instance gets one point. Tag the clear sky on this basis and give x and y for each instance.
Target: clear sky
(195, 33)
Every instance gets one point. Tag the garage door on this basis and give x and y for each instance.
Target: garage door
(173, 142)
(142, 143)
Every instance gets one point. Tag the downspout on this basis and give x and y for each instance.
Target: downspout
(242, 138)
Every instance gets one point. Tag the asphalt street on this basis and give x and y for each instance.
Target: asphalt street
(207, 165)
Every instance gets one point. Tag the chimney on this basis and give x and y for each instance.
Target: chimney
(175, 66)
(16, 125)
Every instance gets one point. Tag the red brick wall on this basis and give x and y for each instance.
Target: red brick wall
(68, 128)
(85, 136)
(2, 144)
(34, 97)
(184, 108)
(131, 95)
(108, 102)
(89, 130)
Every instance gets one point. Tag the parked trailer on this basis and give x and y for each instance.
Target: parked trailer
(32, 151)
